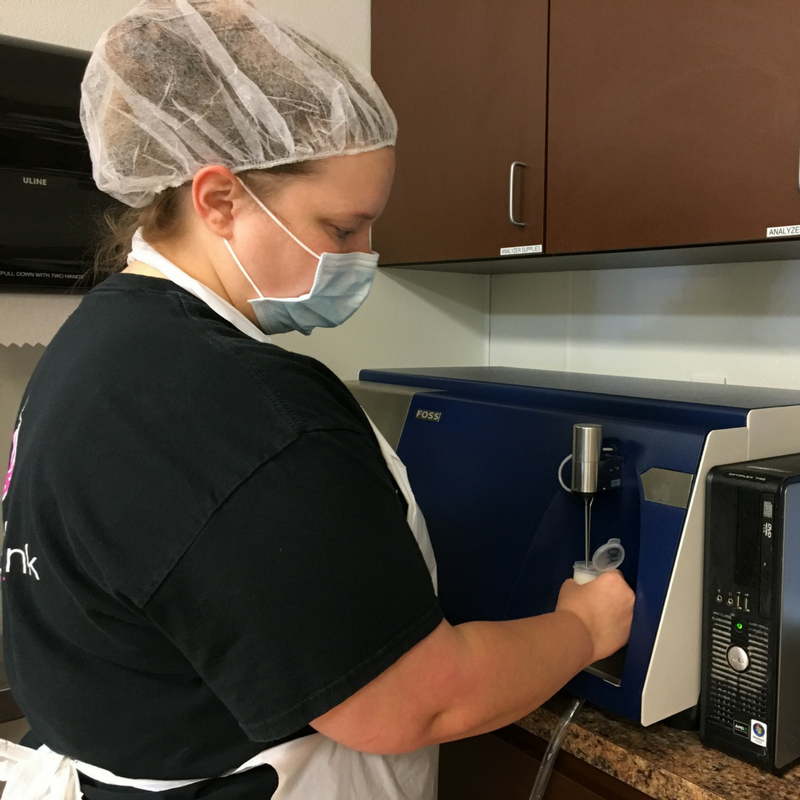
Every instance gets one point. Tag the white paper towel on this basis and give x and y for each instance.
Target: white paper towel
(33, 318)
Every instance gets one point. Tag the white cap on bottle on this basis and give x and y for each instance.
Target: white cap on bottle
(607, 557)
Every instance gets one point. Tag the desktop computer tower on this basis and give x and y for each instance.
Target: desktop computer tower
(750, 683)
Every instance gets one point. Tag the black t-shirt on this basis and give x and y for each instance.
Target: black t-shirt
(205, 549)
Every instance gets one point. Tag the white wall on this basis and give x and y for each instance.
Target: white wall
(344, 24)
(737, 323)
(733, 322)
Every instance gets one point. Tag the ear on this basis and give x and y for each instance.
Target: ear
(216, 191)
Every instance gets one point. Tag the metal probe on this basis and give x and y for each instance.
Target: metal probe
(587, 448)
(587, 525)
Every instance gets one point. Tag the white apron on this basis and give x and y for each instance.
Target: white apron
(311, 768)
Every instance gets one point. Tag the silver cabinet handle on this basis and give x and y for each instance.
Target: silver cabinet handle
(514, 165)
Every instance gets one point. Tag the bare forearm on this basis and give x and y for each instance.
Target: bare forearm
(508, 669)
(462, 681)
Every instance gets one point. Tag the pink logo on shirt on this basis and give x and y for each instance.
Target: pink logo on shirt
(13, 460)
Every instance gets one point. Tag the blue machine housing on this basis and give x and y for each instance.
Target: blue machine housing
(506, 534)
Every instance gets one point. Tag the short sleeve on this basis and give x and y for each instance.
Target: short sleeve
(304, 586)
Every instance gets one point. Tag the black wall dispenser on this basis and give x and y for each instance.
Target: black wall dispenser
(50, 209)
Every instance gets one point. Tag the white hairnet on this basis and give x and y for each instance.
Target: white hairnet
(179, 84)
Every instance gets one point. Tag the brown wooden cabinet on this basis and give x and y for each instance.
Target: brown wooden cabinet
(647, 125)
(671, 123)
(468, 83)
(503, 766)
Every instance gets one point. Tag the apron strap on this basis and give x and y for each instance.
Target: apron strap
(416, 521)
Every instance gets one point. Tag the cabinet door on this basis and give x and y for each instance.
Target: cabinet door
(468, 83)
(672, 122)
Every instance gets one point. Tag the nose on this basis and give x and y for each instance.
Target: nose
(360, 243)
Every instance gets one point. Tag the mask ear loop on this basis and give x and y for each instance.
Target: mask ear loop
(276, 220)
(244, 271)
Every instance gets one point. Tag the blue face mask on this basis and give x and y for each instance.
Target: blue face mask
(341, 284)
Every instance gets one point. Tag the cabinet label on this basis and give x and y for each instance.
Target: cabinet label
(525, 250)
(783, 230)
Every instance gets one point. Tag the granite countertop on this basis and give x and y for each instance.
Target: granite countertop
(661, 762)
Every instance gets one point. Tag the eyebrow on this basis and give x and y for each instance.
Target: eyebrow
(358, 215)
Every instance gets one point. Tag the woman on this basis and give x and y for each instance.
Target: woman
(216, 581)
